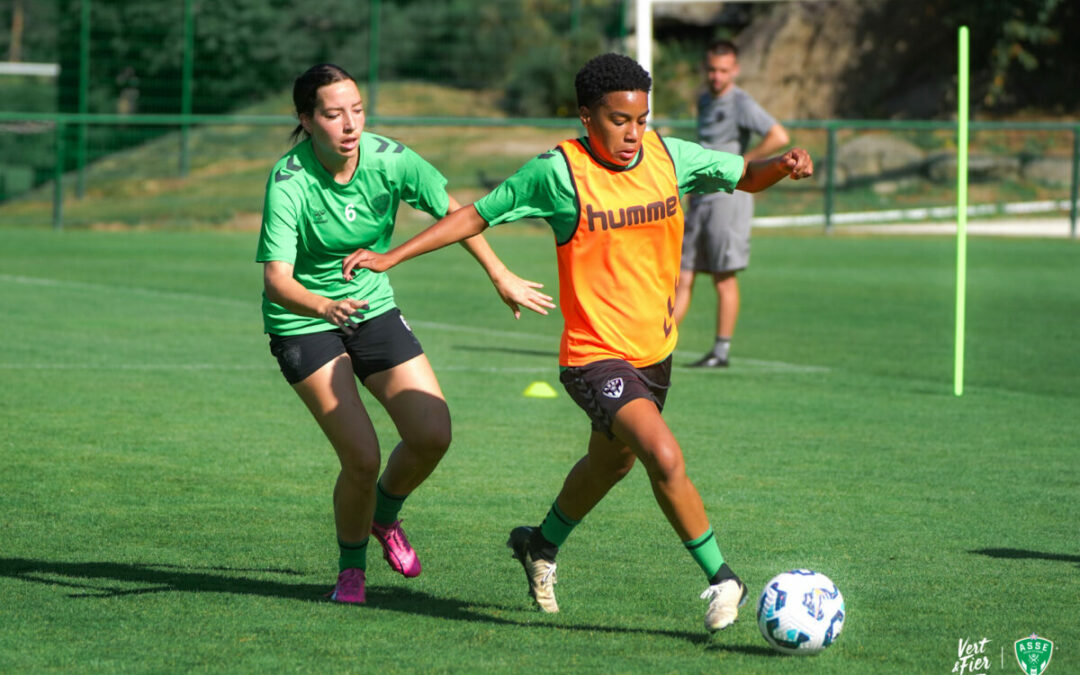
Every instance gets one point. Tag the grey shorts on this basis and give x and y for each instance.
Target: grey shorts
(717, 237)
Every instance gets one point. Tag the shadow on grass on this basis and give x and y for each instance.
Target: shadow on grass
(161, 578)
(546, 353)
(111, 580)
(1019, 553)
(398, 599)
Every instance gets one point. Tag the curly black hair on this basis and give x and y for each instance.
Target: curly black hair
(607, 73)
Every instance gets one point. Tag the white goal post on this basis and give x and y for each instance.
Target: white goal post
(22, 68)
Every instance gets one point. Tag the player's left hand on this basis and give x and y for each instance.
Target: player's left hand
(797, 163)
(517, 293)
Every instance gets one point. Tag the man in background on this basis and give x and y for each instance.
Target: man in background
(717, 238)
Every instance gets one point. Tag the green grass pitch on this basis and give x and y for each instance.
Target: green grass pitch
(165, 498)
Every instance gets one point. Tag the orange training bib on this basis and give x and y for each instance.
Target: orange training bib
(617, 274)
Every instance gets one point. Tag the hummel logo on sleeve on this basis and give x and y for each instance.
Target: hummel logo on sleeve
(383, 145)
(292, 165)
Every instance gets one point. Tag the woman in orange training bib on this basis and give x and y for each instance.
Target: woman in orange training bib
(612, 199)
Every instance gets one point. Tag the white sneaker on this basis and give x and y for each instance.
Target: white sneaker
(540, 572)
(725, 599)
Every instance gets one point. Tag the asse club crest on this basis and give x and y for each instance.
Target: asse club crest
(1033, 654)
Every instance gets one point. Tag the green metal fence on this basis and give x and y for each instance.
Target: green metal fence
(148, 89)
(823, 137)
(833, 127)
(140, 57)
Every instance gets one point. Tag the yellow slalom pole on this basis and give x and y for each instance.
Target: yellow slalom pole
(961, 207)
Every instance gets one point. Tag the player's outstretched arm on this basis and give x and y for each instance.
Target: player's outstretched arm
(460, 224)
(763, 173)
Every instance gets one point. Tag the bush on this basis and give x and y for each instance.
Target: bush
(541, 82)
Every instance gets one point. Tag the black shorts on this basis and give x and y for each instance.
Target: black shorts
(377, 344)
(603, 387)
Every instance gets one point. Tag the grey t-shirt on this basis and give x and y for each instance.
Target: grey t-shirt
(727, 123)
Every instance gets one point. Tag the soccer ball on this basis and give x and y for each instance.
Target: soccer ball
(800, 612)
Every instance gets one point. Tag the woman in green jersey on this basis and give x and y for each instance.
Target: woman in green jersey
(612, 200)
(335, 191)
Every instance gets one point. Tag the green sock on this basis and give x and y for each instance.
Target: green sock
(387, 506)
(352, 555)
(706, 553)
(557, 526)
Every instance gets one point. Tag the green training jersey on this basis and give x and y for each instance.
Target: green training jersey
(314, 222)
(542, 187)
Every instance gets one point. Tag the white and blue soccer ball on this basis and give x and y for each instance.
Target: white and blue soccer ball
(800, 612)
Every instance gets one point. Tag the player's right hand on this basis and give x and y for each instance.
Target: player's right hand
(345, 313)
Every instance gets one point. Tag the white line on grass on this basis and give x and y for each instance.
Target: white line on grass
(150, 292)
(755, 366)
(131, 366)
(234, 367)
(492, 369)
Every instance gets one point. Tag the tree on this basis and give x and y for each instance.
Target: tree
(1022, 50)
